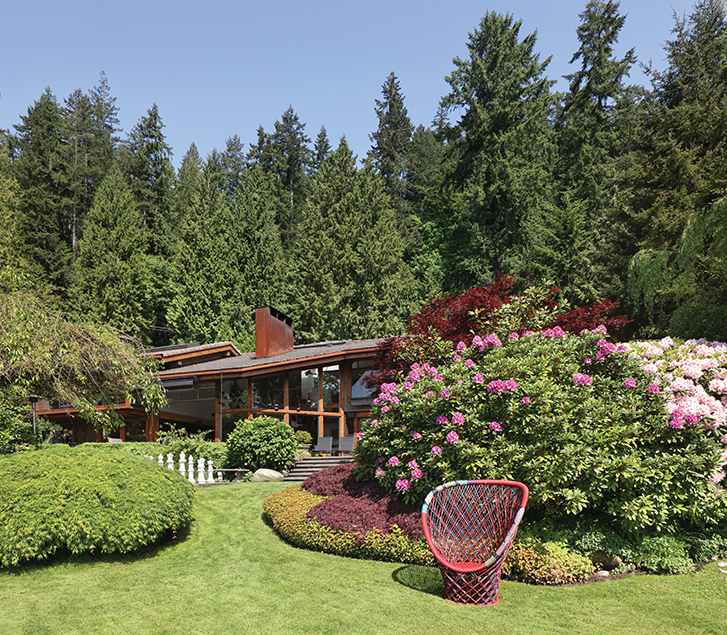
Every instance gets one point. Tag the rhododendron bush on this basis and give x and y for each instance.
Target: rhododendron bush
(631, 434)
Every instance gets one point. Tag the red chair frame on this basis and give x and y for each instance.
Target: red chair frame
(469, 526)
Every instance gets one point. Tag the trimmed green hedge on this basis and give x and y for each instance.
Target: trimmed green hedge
(78, 500)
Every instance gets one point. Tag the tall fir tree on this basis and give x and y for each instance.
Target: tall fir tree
(111, 281)
(147, 162)
(350, 277)
(500, 153)
(41, 172)
(321, 150)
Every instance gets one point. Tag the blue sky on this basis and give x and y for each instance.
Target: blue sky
(225, 67)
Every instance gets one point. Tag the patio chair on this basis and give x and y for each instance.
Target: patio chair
(324, 444)
(469, 526)
(345, 444)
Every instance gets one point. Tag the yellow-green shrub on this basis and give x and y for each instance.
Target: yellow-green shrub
(536, 562)
(79, 500)
(287, 511)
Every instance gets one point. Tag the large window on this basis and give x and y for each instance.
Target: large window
(268, 392)
(331, 389)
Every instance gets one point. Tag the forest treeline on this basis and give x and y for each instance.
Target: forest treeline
(609, 190)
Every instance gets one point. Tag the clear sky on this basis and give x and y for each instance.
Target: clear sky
(223, 67)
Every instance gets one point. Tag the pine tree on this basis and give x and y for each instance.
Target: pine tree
(233, 164)
(112, 285)
(321, 150)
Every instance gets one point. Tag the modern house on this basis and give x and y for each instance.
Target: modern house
(313, 387)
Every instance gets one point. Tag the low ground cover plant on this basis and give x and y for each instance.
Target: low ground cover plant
(78, 500)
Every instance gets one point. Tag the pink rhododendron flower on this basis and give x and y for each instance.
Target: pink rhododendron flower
(495, 427)
(382, 459)
(469, 363)
(477, 343)
(412, 465)
(496, 386)
(417, 474)
(461, 346)
(600, 329)
(511, 384)
(525, 400)
(457, 358)
(582, 379)
(513, 336)
(630, 383)
(653, 389)
(384, 409)
(416, 436)
(360, 435)
(478, 379)
(406, 386)
(452, 437)
(588, 360)
(436, 450)
(394, 461)
(442, 419)
(445, 394)
(429, 393)
(379, 472)
(458, 419)
(403, 485)
(528, 333)
(678, 424)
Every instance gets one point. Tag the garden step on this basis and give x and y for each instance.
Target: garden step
(312, 464)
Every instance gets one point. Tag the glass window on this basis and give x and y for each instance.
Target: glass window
(268, 392)
(360, 371)
(234, 394)
(331, 388)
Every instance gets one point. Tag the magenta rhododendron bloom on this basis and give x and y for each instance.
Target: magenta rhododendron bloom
(360, 435)
(417, 474)
(416, 436)
(461, 346)
(469, 363)
(394, 461)
(412, 465)
(382, 459)
(436, 450)
(511, 384)
(403, 485)
(445, 394)
(458, 419)
(582, 379)
(653, 389)
(526, 400)
(513, 336)
(427, 394)
(457, 358)
(478, 379)
(442, 419)
(379, 472)
(452, 437)
(495, 427)
(630, 383)
(384, 409)
(588, 360)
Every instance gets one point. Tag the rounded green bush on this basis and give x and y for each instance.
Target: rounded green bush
(77, 500)
(262, 442)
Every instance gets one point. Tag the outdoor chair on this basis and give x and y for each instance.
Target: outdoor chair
(325, 444)
(469, 526)
(345, 444)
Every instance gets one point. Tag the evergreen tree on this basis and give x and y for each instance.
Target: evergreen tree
(233, 164)
(41, 172)
(321, 150)
(350, 277)
(147, 162)
(500, 153)
(112, 285)
(390, 142)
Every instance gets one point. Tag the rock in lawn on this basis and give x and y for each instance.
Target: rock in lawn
(263, 475)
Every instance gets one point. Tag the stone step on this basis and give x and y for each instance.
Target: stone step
(310, 465)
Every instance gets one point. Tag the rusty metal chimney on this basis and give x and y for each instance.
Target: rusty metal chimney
(273, 332)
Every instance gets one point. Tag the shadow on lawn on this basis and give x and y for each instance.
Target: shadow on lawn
(419, 578)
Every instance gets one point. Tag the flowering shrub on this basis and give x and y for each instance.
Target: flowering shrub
(632, 434)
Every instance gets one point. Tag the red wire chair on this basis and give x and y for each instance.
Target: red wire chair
(469, 526)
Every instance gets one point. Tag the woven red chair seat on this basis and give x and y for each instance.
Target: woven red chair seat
(469, 526)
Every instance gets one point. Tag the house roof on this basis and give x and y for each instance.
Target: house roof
(247, 363)
(186, 354)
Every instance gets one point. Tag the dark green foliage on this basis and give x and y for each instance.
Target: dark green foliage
(663, 554)
(71, 500)
(261, 442)
(350, 277)
(111, 279)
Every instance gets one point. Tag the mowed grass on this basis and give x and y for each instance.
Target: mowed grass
(232, 575)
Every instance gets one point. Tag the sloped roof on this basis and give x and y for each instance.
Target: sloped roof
(247, 363)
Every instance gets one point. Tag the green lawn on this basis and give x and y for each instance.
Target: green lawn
(232, 575)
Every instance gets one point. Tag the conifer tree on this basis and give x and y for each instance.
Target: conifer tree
(111, 282)
(350, 277)
(321, 150)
